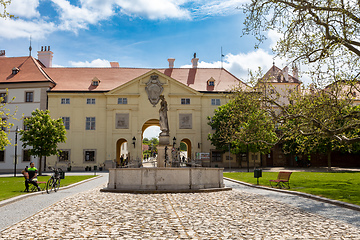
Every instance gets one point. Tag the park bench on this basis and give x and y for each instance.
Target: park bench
(282, 180)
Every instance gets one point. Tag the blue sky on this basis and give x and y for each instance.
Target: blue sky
(136, 33)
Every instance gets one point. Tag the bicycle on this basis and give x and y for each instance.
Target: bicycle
(54, 182)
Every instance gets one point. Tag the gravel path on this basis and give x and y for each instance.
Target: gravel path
(236, 214)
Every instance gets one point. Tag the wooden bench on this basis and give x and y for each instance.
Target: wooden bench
(282, 180)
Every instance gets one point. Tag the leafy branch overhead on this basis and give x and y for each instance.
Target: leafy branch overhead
(312, 29)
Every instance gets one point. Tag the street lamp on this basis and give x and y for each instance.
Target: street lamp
(16, 135)
(134, 140)
(174, 141)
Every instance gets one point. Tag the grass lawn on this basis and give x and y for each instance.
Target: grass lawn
(14, 186)
(339, 186)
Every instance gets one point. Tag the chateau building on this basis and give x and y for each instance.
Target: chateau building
(23, 86)
(106, 110)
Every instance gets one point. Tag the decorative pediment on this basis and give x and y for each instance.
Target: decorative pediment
(154, 89)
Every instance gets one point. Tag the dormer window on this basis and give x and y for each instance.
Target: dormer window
(211, 82)
(15, 70)
(95, 81)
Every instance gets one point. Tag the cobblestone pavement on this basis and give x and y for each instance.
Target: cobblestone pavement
(218, 215)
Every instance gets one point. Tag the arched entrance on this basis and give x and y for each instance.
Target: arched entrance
(150, 129)
(188, 145)
(121, 150)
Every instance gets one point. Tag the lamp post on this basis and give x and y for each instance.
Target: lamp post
(16, 135)
(174, 141)
(134, 140)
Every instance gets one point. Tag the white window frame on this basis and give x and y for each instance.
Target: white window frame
(185, 101)
(65, 100)
(90, 123)
(90, 101)
(215, 101)
(66, 122)
(122, 101)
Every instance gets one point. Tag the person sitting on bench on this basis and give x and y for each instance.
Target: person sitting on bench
(32, 172)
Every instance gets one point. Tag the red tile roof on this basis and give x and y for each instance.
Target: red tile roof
(79, 79)
(30, 70)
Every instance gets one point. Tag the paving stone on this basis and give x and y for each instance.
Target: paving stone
(217, 215)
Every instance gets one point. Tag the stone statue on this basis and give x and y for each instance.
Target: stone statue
(164, 126)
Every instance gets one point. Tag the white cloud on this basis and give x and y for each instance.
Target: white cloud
(218, 7)
(154, 9)
(273, 36)
(18, 28)
(24, 8)
(240, 64)
(95, 63)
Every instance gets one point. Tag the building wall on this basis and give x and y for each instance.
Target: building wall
(16, 103)
(140, 111)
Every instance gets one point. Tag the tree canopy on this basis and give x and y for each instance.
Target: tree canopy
(5, 125)
(42, 134)
(243, 124)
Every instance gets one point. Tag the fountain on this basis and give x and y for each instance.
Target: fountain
(164, 178)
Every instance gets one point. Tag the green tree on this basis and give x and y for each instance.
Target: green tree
(5, 125)
(243, 124)
(42, 134)
(321, 121)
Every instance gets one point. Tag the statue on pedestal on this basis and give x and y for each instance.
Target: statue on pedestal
(164, 126)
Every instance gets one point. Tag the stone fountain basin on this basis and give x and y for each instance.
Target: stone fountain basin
(147, 180)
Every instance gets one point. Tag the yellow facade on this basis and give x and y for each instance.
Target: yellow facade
(106, 139)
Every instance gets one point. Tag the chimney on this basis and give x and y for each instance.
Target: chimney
(114, 65)
(286, 73)
(45, 56)
(171, 62)
(194, 61)
(295, 73)
(2, 53)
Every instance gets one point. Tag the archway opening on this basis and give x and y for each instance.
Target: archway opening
(122, 152)
(188, 148)
(150, 139)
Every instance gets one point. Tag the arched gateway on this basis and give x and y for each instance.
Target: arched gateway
(123, 102)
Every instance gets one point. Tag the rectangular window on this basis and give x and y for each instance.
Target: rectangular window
(26, 156)
(66, 121)
(90, 101)
(185, 101)
(215, 101)
(89, 155)
(64, 155)
(2, 156)
(90, 123)
(29, 96)
(65, 101)
(216, 156)
(3, 97)
(122, 101)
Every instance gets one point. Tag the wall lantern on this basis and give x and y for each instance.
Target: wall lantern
(174, 141)
(134, 140)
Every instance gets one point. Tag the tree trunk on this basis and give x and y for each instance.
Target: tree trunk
(40, 166)
(329, 161)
